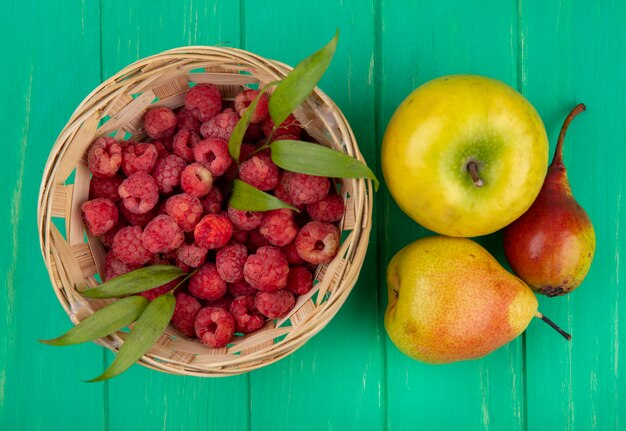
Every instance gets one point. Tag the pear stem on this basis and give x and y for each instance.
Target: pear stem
(558, 152)
(556, 327)
(472, 167)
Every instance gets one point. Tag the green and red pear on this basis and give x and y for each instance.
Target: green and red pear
(551, 245)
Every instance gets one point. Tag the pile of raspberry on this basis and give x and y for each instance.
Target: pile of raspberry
(162, 201)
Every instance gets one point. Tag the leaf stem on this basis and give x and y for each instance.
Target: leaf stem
(187, 277)
(261, 148)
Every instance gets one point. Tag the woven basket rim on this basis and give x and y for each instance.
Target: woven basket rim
(63, 256)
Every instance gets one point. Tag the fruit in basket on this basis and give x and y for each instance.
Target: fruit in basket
(464, 155)
(450, 300)
(157, 227)
(551, 245)
(185, 202)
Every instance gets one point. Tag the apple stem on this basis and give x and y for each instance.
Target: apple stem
(557, 160)
(556, 327)
(472, 167)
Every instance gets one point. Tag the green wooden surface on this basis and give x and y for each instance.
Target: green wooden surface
(350, 376)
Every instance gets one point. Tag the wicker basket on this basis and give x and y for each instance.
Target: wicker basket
(73, 260)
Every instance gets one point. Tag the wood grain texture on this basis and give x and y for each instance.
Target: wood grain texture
(420, 41)
(338, 372)
(574, 52)
(349, 376)
(34, 379)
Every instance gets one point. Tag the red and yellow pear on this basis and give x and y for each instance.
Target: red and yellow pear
(450, 300)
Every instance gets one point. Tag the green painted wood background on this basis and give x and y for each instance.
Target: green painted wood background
(349, 376)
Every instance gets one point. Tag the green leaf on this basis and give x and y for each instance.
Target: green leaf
(315, 159)
(300, 82)
(136, 281)
(103, 322)
(248, 198)
(146, 331)
(236, 138)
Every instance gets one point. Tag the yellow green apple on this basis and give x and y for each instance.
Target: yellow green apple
(465, 155)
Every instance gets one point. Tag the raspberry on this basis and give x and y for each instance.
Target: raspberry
(229, 261)
(254, 132)
(167, 173)
(162, 152)
(291, 254)
(139, 193)
(288, 127)
(259, 171)
(274, 304)
(128, 248)
(107, 238)
(183, 266)
(214, 326)
(286, 137)
(245, 151)
(213, 231)
(196, 180)
(300, 280)
(266, 270)
(212, 202)
(157, 259)
(99, 215)
(160, 122)
(256, 240)
(231, 173)
(213, 153)
(183, 144)
(241, 288)
(245, 98)
(185, 210)
(206, 283)
(203, 101)
(113, 267)
(317, 242)
(221, 126)
(104, 157)
(247, 317)
(278, 226)
(186, 120)
(185, 312)
(162, 235)
(305, 189)
(167, 143)
(281, 192)
(245, 220)
(140, 220)
(139, 157)
(240, 236)
(152, 294)
(191, 255)
(223, 303)
(161, 207)
(329, 209)
(105, 188)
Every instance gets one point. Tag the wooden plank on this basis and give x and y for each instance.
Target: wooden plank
(420, 41)
(575, 52)
(52, 62)
(131, 31)
(335, 380)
